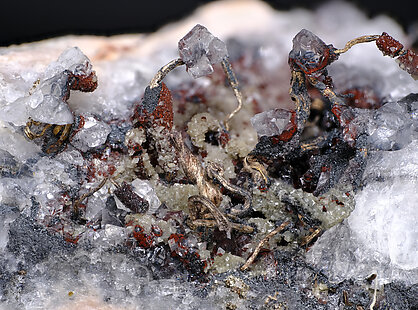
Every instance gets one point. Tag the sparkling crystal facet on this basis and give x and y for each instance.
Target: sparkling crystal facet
(199, 50)
(271, 123)
(309, 52)
(94, 133)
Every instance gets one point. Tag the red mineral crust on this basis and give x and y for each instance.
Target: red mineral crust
(388, 45)
(156, 109)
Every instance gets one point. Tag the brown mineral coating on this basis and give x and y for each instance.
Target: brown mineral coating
(388, 45)
(409, 63)
(408, 60)
(363, 98)
(83, 83)
(159, 112)
(164, 110)
(130, 199)
(289, 130)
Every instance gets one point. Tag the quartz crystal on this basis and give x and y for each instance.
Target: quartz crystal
(392, 126)
(7, 216)
(271, 123)
(93, 133)
(199, 49)
(46, 101)
(73, 60)
(309, 51)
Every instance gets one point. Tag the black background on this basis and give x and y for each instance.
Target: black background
(24, 21)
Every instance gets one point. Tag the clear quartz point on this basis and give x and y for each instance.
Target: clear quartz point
(93, 134)
(199, 49)
(271, 123)
(309, 51)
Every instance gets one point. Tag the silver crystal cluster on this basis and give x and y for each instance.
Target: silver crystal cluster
(199, 49)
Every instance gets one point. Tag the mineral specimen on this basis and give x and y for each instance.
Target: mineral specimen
(130, 199)
(379, 236)
(159, 202)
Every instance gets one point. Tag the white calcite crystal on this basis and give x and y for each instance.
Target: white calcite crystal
(199, 49)
(381, 234)
(271, 123)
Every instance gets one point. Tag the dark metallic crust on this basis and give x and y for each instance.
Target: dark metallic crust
(151, 98)
(130, 199)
